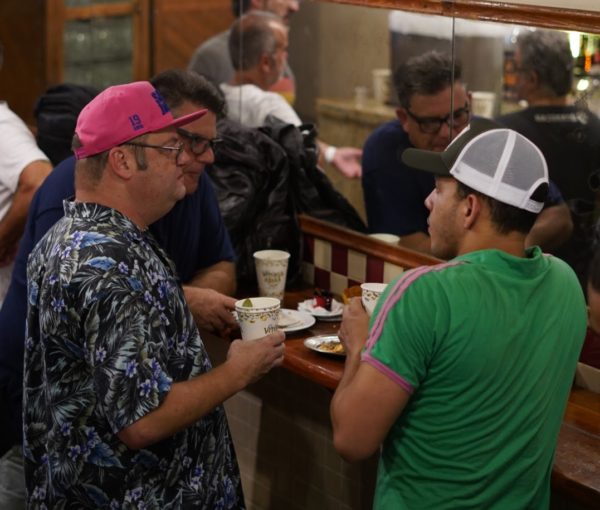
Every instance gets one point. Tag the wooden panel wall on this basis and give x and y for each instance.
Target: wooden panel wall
(22, 33)
(180, 26)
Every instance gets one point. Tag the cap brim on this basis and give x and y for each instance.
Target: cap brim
(428, 161)
(186, 119)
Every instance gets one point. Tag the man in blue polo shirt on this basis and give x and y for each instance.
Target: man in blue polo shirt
(192, 234)
(429, 86)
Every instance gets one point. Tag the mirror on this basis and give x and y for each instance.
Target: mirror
(342, 56)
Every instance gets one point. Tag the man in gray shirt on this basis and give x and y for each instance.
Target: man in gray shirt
(211, 59)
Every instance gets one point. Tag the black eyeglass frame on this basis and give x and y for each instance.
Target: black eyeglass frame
(438, 121)
(194, 140)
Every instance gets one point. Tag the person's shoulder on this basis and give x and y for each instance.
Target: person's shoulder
(508, 119)
(214, 44)
(60, 183)
(425, 276)
(390, 132)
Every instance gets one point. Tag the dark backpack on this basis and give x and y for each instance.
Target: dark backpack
(56, 113)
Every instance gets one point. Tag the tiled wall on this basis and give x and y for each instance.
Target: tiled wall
(283, 440)
(334, 267)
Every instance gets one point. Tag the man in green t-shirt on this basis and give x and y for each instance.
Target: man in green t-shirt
(464, 371)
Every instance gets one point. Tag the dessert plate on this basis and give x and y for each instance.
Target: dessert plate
(294, 320)
(325, 344)
(335, 314)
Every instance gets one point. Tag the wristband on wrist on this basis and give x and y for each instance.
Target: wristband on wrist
(329, 153)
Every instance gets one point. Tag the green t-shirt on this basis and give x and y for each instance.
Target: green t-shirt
(487, 346)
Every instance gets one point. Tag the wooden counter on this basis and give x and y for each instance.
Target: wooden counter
(576, 472)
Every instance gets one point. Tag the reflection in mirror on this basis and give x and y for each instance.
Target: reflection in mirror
(545, 84)
(342, 81)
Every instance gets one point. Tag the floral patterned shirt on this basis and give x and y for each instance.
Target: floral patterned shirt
(108, 332)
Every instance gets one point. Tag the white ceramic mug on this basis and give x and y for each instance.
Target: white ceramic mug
(386, 238)
(370, 295)
(271, 272)
(260, 319)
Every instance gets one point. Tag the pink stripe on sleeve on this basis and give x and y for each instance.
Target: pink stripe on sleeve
(392, 298)
(378, 365)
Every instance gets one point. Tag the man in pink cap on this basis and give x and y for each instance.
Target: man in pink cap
(129, 411)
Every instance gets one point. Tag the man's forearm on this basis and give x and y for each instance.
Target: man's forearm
(219, 277)
(184, 405)
(13, 223)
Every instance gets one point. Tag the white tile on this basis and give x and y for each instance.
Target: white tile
(323, 254)
(391, 271)
(308, 273)
(338, 283)
(357, 266)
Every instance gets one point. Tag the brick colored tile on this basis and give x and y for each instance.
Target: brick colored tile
(352, 282)
(322, 278)
(374, 269)
(309, 249)
(339, 259)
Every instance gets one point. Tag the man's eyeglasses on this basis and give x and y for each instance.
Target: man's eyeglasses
(432, 125)
(177, 149)
(198, 144)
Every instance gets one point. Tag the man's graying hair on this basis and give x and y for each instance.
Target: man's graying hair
(177, 86)
(548, 54)
(252, 33)
(426, 74)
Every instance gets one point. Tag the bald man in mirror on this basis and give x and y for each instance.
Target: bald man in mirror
(434, 108)
(211, 59)
(568, 134)
(264, 39)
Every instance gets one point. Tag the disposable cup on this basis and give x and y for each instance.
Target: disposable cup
(386, 238)
(370, 295)
(271, 271)
(260, 319)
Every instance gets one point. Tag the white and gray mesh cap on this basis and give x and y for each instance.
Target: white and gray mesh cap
(499, 163)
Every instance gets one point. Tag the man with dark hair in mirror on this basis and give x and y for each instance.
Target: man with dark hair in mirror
(211, 59)
(567, 134)
(434, 108)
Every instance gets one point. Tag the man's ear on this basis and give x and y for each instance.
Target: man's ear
(471, 208)
(121, 163)
(265, 63)
(402, 117)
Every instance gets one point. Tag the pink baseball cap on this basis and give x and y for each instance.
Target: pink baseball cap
(121, 113)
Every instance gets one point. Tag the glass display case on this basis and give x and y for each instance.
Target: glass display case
(98, 42)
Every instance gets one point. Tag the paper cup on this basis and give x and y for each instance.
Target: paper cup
(260, 319)
(386, 238)
(483, 103)
(271, 271)
(382, 79)
(370, 295)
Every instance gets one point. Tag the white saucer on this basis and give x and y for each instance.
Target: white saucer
(302, 321)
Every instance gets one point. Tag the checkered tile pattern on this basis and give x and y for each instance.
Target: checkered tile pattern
(330, 266)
